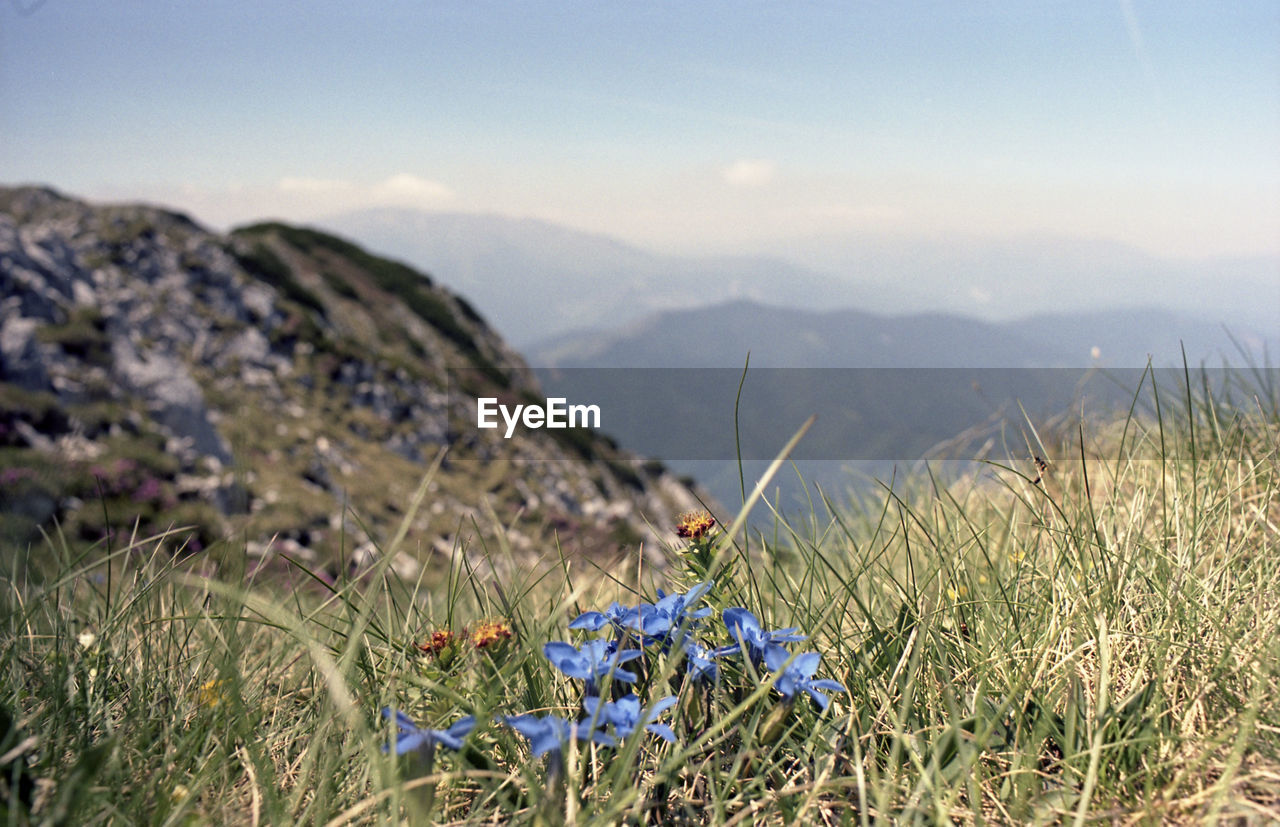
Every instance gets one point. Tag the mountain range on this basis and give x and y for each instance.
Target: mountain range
(582, 305)
(536, 281)
(886, 390)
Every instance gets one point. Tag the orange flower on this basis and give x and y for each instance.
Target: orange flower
(694, 525)
(490, 633)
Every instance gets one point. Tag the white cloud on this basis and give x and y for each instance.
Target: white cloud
(301, 198)
(750, 172)
(403, 189)
(979, 294)
(407, 187)
(291, 198)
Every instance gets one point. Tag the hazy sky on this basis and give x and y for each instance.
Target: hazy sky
(680, 125)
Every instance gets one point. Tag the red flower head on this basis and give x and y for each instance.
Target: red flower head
(490, 633)
(440, 640)
(694, 525)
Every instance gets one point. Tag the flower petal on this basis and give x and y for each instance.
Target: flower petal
(462, 727)
(544, 734)
(602, 738)
(410, 742)
(526, 725)
(625, 675)
(696, 593)
(775, 657)
(662, 731)
(822, 700)
(628, 655)
(591, 621)
(628, 707)
(806, 663)
(403, 721)
(828, 685)
(557, 651)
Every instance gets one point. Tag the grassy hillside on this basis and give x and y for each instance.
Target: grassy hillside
(1091, 642)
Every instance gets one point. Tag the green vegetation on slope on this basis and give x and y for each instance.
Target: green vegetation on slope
(409, 285)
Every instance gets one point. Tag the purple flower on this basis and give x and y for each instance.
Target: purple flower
(149, 489)
(744, 628)
(411, 737)
(615, 720)
(595, 660)
(10, 476)
(798, 675)
(547, 734)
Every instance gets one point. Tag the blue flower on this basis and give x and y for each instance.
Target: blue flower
(670, 615)
(410, 736)
(799, 674)
(546, 734)
(615, 720)
(596, 660)
(616, 615)
(745, 629)
(698, 661)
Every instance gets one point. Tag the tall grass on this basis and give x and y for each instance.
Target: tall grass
(1099, 645)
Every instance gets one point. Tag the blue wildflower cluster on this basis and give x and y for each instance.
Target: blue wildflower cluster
(635, 635)
(617, 672)
(606, 723)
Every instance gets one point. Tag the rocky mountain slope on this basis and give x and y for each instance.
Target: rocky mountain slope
(278, 386)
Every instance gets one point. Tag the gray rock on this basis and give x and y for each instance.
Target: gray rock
(21, 360)
(171, 394)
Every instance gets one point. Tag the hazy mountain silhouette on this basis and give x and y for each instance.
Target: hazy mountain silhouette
(885, 389)
(722, 335)
(534, 280)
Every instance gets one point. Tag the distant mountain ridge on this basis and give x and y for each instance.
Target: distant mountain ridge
(721, 335)
(535, 280)
(1003, 279)
(885, 389)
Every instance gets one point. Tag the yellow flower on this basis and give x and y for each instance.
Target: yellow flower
(210, 693)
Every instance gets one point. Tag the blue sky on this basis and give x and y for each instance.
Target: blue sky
(681, 126)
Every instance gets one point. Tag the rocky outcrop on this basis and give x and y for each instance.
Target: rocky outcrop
(278, 385)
